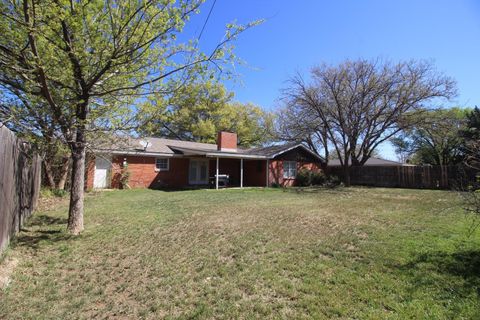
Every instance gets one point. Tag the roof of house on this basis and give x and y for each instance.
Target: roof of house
(152, 146)
(372, 161)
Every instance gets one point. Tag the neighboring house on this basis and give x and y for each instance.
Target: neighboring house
(371, 162)
(166, 163)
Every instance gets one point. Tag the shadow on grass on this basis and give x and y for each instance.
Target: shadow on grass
(45, 220)
(42, 229)
(339, 190)
(463, 267)
(34, 240)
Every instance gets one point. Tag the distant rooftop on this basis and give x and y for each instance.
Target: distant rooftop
(373, 161)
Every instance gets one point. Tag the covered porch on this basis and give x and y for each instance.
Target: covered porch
(242, 170)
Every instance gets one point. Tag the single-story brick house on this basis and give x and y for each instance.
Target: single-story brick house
(167, 163)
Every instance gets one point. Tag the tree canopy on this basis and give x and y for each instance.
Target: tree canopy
(90, 61)
(355, 106)
(197, 112)
(434, 137)
(471, 136)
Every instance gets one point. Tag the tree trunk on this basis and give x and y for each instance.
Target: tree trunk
(346, 174)
(49, 174)
(75, 214)
(63, 174)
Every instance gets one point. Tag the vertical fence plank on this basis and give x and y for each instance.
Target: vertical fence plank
(19, 184)
(418, 177)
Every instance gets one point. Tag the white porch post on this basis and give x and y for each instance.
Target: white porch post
(216, 175)
(241, 173)
(266, 175)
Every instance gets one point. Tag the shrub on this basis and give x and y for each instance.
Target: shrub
(307, 178)
(304, 178)
(50, 193)
(318, 178)
(332, 181)
(124, 178)
(472, 203)
(60, 193)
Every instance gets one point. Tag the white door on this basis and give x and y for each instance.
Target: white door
(102, 166)
(198, 172)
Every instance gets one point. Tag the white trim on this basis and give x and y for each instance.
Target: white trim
(228, 149)
(232, 155)
(160, 169)
(139, 153)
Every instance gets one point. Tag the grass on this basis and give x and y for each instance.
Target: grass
(240, 254)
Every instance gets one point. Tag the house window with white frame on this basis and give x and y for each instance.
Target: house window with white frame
(161, 164)
(289, 169)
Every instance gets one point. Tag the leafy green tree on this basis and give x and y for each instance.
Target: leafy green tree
(90, 61)
(35, 125)
(434, 137)
(197, 112)
(471, 134)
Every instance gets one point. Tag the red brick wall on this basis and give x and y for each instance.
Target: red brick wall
(89, 172)
(276, 171)
(143, 174)
(254, 173)
(226, 140)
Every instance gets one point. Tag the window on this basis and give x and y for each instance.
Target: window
(161, 164)
(289, 169)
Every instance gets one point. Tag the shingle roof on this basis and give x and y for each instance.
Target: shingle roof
(271, 150)
(162, 146)
(156, 145)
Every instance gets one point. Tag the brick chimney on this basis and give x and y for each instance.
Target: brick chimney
(227, 141)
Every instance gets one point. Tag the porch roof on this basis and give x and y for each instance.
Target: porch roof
(218, 153)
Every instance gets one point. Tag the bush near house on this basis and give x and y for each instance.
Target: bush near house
(307, 178)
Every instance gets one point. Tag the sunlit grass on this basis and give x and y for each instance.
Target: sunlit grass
(347, 253)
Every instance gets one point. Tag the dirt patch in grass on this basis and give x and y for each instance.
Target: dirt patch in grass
(50, 203)
(6, 269)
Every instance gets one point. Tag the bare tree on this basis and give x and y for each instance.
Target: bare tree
(295, 123)
(361, 104)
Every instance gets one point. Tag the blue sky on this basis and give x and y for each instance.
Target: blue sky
(300, 34)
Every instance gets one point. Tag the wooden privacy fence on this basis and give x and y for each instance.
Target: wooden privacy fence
(420, 177)
(19, 184)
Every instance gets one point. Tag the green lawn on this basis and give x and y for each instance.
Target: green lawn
(242, 254)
